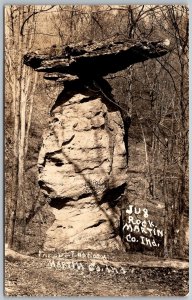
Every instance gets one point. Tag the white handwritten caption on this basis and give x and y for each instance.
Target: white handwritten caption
(84, 266)
(135, 226)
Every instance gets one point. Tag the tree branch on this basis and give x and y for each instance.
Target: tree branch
(31, 15)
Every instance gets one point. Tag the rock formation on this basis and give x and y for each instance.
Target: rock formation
(83, 158)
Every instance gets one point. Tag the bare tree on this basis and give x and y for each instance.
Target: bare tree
(20, 34)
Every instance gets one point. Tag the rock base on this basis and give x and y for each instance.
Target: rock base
(85, 225)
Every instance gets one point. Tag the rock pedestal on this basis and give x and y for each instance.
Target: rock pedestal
(83, 159)
(83, 170)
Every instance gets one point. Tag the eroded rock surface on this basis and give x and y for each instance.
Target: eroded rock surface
(83, 170)
(97, 58)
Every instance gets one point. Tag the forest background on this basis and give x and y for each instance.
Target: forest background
(154, 93)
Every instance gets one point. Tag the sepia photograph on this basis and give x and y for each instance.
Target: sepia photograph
(96, 146)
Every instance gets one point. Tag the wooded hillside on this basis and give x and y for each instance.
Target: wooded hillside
(153, 93)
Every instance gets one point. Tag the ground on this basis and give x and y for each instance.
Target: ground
(81, 273)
